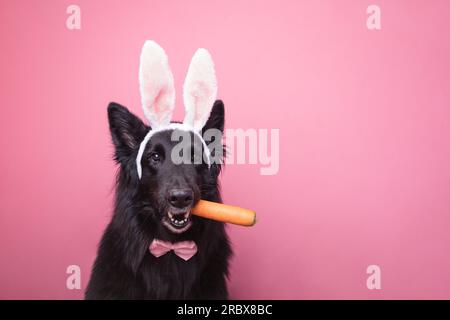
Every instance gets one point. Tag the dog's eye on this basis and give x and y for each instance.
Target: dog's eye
(155, 157)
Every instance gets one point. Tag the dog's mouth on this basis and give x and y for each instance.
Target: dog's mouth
(177, 220)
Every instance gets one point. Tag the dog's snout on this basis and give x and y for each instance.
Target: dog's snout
(181, 198)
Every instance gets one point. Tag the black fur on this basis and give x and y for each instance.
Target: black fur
(124, 268)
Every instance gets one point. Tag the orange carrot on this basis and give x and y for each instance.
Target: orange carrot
(224, 213)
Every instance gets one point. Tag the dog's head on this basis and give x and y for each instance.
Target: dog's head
(167, 167)
(168, 188)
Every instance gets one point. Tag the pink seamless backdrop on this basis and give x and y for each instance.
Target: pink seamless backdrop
(364, 173)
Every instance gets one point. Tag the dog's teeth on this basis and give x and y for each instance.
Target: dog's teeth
(178, 222)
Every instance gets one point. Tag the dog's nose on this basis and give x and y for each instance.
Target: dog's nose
(181, 198)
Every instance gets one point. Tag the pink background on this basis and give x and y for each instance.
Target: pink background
(364, 127)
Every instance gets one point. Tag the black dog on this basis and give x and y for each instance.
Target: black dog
(124, 268)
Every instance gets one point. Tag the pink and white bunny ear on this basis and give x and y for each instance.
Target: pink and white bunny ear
(199, 89)
(156, 85)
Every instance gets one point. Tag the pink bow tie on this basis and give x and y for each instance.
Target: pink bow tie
(184, 249)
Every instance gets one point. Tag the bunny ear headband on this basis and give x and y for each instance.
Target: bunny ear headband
(158, 94)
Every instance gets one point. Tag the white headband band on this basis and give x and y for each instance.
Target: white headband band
(158, 94)
(171, 126)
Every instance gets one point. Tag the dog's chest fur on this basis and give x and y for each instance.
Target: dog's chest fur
(173, 277)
